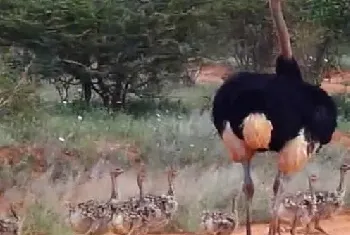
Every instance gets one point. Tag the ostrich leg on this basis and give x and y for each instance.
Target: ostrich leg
(276, 184)
(274, 223)
(280, 181)
(275, 187)
(248, 189)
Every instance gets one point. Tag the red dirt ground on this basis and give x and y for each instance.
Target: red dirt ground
(339, 225)
(213, 73)
(337, 82)
(334, 81)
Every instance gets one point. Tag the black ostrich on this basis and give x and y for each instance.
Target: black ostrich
(255, 112)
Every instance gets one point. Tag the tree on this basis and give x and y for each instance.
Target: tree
(118, 47)
(110, 47)
(334, 17)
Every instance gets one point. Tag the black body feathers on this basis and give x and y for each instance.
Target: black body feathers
(286, 100)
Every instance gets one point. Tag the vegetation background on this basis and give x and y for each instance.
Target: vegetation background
(85, 84)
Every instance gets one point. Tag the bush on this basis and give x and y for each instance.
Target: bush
(42, 220)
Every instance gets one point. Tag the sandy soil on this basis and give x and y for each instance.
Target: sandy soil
(339, 225)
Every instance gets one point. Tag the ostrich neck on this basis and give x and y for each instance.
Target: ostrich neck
(140, 185)
(234, 206)
(341, 187)
(313, 207)
(311, 188)
(114, 193)
(171, 188)
(276, 183)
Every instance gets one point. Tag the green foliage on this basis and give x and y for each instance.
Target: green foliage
(117, 48)
(136, 45)
(333, 14)
(343, 104)
(17, 98)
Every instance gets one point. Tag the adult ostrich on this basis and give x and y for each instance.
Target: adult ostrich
(256, 112)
